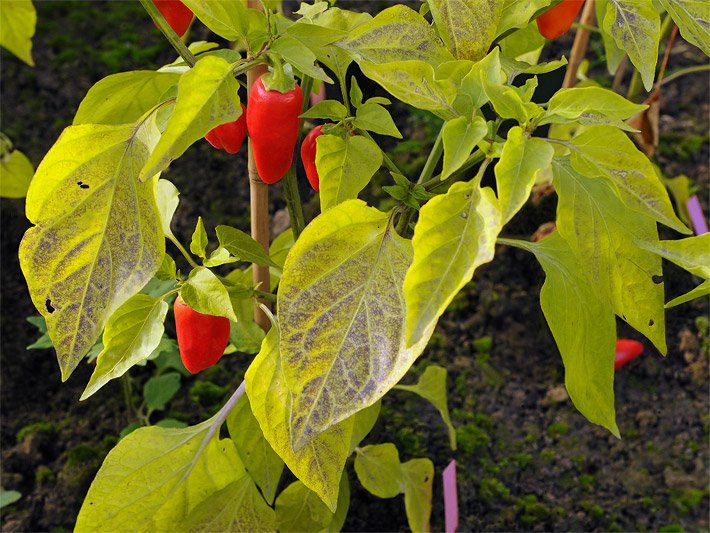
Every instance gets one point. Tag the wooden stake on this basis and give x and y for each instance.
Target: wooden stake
(259, 199)
(581, 40)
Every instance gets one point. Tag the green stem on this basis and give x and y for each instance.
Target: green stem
(183, 251)
(587, 27)
(434, 156)
(290, 181)
(265, 295)
(683, 72)
(344, 92)
(169, 33)
(293, 201)
(127, 388)
(437, 183)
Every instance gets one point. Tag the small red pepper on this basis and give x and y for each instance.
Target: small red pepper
(273, 123)
(626, 350)
(308, 156)
(557, 21)
(176, 14)
(201, 338)
(229, 136)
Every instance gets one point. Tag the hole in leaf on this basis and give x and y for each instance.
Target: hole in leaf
(651, 322)
(657, 279)
(48, 305)
(82, 185)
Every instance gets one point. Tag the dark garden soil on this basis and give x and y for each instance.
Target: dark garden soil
(527, 460)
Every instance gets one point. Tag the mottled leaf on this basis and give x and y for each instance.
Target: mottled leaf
(467, 26)
(418, 475)
(342, 317)
(693, 20)
(97, 238)
(379, 470)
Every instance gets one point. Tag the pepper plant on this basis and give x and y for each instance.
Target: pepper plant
(358, 291)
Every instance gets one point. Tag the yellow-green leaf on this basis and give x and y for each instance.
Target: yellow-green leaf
(414, 83)
(635, 26)
(460, 136)
(467, 27)
(167, 198)
(207, 97)
(345, 167)
(155, 477)
(456, 233)
(124, 97)
(320, 463)
(601, 231)
(97, 238)
(205, 293)
(199, 242)
(17, 26)
(299, 510)
(522, 158)
(227, 18)
(264, 464)
(342, 317)
(584, 328)
(692, 254)
(379, 470)
(16, 173)
(237, 507)
(607, 152)
(397, 33)
(693, 20)
(432, 387)
(418, 475)
(517, 13)
(131, 335)
(590, 106)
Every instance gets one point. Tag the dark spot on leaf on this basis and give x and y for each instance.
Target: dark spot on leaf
(651, 322)
(623, 316)
(48, 305)
(82, 185)
(426, 479)
(657, 279)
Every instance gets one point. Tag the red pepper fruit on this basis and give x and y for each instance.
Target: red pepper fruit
(273, 123)
(308, 156)
(201, 338)
(230, 136)
(177, 14)
(626, 350)
(557, 21)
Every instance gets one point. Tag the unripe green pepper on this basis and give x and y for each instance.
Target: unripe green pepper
(273, 123)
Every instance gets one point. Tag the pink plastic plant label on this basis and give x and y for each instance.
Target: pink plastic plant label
(696, 215)
(451, 499)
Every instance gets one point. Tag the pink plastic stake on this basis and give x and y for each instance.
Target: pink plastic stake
(451, 499)
(696, 215)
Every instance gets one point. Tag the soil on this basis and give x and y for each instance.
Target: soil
(527, 460)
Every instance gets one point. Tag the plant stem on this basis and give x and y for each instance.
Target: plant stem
(293, 201)
(436, 182)
(183, 251)
(579, 47)
(684, 71)
(344, 92)
(433, 159)
(265, 295)
(169, 33)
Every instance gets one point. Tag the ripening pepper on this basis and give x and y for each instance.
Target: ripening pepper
(229, 136)
(273, 123)
(176, 14)
(557, 21)
(308, 156)
(626, 350)
(201, 338)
